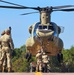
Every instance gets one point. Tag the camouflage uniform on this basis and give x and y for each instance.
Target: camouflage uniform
(0, 52)
(39, 61)
(7, 46)
(45, 61)
(0, 58)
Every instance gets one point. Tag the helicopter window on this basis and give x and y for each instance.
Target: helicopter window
(44, 27)
(40, 27)
(50, 27)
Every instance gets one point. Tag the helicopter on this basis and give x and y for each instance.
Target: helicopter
(44, 33)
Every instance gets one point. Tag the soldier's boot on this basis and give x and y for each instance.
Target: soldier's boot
(9, 69)
(3, 69)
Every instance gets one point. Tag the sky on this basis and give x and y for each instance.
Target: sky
(20, 24)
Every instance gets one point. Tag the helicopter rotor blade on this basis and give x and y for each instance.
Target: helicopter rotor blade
(13, 7)
(20, 7)
(65, 6)
(67, 10)
(29, 13)
(10, 3)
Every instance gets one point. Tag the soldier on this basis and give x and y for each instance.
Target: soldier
(0, 49)
(39, 61)
(45, 60)
(7, 47)
(32, 67)
(1, 57)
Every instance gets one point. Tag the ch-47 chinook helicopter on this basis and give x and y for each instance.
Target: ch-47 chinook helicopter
(44, 33)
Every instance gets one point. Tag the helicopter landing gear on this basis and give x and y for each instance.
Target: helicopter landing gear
(60, 57)
(28, 56)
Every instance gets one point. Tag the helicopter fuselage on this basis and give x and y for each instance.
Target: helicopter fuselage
(46, 36)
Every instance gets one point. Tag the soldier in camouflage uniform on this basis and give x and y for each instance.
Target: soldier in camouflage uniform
(45, 60)
(39, 61)
(7, 47)
(1, 57)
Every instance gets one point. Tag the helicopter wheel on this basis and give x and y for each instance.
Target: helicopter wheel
(60, 57)
(28, 56)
